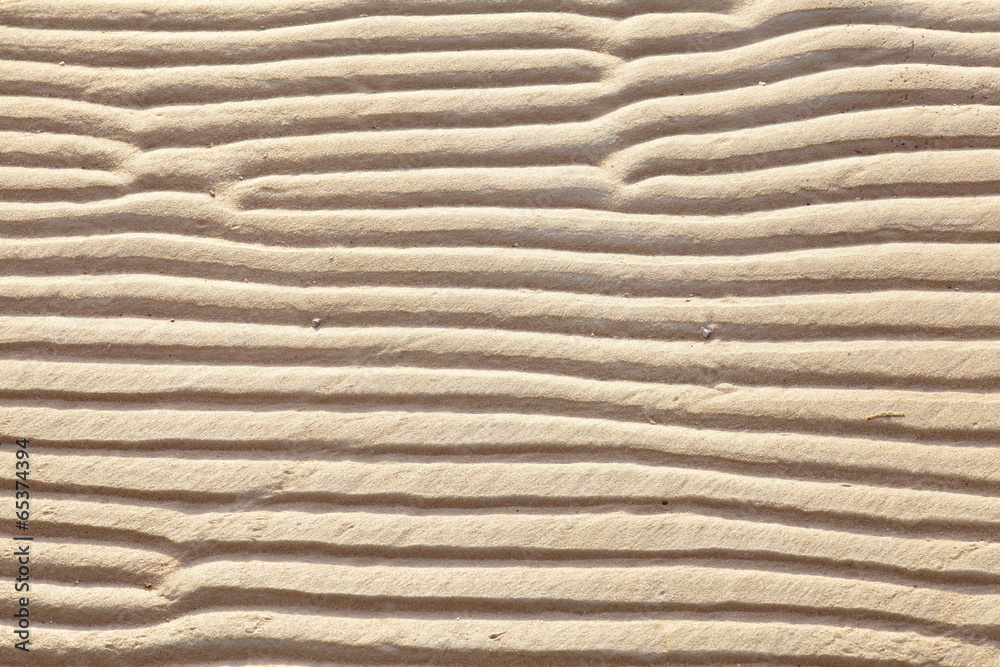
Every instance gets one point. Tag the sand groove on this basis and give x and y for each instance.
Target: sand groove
(472, 332)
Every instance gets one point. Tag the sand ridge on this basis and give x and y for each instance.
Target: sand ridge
(474, 332)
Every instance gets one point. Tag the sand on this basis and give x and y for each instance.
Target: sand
(503, 332)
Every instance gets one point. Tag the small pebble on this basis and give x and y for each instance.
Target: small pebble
(705, 332)
(316, 322)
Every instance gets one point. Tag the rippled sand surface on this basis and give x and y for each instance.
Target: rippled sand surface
(522, 332)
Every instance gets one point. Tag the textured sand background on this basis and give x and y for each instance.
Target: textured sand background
(650, 332)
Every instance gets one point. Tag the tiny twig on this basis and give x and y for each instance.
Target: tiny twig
(879, 415)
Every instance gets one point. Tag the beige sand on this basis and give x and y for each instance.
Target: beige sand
(503, 332)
